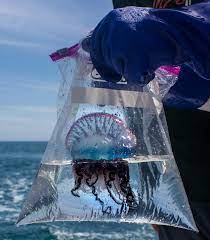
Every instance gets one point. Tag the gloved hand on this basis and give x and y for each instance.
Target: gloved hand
(133, 43)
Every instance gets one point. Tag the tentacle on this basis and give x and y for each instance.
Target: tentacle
(109, 185)
(123, 173)
(78, 180)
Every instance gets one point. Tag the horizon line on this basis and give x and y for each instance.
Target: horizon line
(23, 141)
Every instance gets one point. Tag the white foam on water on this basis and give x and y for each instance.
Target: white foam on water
(17, 197)
(12, 197)
(142, 232)
(18, 189)
(4, 208)
(63, 235)
(1, 194)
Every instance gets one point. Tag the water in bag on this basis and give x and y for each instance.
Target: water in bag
(109, 157)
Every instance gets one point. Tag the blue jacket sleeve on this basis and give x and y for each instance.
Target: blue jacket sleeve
(133, 42)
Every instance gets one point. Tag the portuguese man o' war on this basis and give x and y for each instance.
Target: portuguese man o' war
(100, 136)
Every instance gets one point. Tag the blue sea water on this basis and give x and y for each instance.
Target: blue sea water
(19, 162)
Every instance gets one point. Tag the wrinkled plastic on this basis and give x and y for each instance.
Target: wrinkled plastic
(109, 157)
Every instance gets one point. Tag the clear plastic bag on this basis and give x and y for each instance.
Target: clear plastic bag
(109, 157)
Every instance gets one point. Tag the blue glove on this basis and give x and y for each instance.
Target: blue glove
(133, 42)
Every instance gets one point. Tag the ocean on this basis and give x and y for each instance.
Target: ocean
(19, 163)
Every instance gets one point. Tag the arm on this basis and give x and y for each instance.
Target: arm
(134, 41)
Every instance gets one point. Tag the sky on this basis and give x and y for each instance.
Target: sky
(29, 80)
